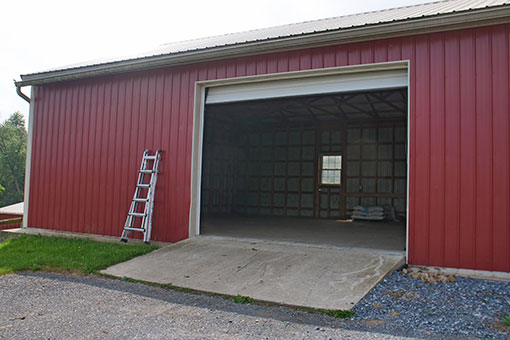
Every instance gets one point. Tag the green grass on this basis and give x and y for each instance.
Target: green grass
(340, 313)
(30, 252)
(242, 299)
(336, 313)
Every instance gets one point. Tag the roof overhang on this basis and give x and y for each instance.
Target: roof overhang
(439, 23)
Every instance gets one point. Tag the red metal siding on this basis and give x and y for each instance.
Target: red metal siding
(89, 135)
(9, 225)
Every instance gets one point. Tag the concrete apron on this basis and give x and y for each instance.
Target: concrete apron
(286, 273)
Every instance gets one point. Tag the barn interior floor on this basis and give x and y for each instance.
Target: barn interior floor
(344, 233)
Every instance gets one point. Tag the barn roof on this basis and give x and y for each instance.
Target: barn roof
(432, 16)
(328, 24)
(13, 209)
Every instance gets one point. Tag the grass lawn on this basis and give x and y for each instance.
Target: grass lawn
(31, 252)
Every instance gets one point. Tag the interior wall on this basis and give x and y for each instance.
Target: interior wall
(221, 150)
(330, 199)
(274, 172)
(376, 167)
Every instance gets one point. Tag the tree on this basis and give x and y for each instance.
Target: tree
(13, 146)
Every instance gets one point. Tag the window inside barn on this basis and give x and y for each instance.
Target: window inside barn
(331, 169)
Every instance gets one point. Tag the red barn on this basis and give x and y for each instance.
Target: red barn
(293, 127)
(10, 216)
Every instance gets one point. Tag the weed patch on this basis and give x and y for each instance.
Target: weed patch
(242, 299)
(339, 313)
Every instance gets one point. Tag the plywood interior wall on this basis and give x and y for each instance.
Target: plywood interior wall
(218, 168)
(376, 163)
(274, 171)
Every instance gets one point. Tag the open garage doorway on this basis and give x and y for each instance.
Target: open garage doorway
(294, 168)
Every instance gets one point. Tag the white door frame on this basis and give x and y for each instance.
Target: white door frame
(198, 123)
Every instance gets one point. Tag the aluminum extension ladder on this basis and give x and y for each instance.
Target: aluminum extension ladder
(143, 199)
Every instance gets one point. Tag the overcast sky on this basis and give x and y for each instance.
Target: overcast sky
(40, 35)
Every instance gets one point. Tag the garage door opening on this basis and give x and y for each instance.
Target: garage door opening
(290, 156)
(295, 168)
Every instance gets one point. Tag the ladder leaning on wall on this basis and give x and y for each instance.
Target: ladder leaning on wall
(143, 200)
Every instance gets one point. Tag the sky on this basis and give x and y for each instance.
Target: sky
(40, 35)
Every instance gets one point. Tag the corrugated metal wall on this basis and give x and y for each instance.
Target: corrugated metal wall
(13, 225)
(89, 136)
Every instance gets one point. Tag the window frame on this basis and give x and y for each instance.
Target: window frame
(321, 168)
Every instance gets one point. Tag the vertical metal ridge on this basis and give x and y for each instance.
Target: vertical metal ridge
(104, 164)
(186, 131)
(58, 174)
(120, 118)
(179, 187)
(491, 153)
(500, 245)
(100, 163)
(452, 150)
(91, 188)
(507, 32)
(406, 50)
(164, 186)
(47, 173)
(437, 140)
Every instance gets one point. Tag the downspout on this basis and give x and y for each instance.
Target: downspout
(29, 150)
(21, 94)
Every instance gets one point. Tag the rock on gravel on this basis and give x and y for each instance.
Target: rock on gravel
(463, 308)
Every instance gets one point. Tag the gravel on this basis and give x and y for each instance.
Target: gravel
(54, 306)
(467, 308)
(37, 305)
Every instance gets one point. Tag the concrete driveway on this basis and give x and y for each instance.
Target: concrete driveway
(286, 273)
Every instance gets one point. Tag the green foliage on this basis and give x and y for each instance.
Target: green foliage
(30, 252)
(505, 321)
(336, 313)
(340, 313)
(242, 299)
(13, 145)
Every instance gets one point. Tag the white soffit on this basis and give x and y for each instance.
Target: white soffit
(347, 82)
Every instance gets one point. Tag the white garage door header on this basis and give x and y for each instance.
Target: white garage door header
(347, 82)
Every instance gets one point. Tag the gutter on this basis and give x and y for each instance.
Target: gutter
(21, 94)
(440, 23)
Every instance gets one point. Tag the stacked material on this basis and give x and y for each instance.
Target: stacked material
(368, 213)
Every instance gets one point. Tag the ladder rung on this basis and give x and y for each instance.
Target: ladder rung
(143, 198)
(134, 229)
(136, 214)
